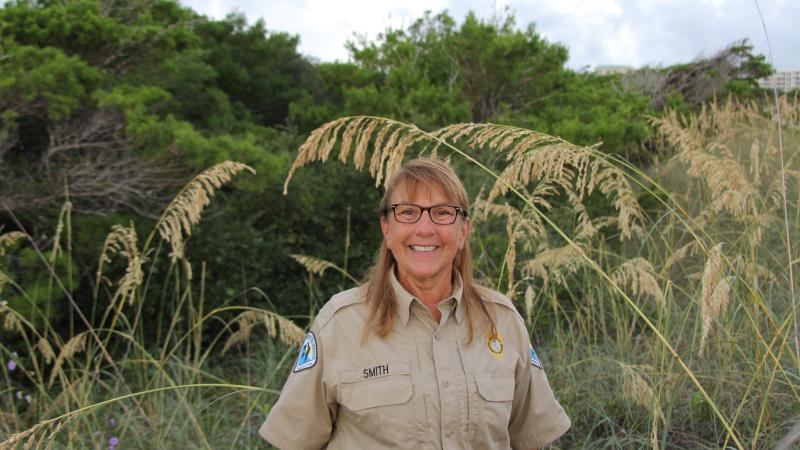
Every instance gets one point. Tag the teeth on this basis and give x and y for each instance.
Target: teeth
(423, 248)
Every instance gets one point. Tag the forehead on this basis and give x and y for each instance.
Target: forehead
(418, 192)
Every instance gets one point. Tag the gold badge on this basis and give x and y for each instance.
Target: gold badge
(495, 343)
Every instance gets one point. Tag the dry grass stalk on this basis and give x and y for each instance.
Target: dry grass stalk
(529, 296)
(755, 166)
(529, 226)
(638, 390)
(639, 273)
(555, 264)
(186, 208)
(46, 350)
(49, 429)
(9, 239)
(11, 323)
(717, 304)
(290, 334)
(679, 255)
(391, 141)
(314, 265)
(3, 281)
(731, 191)
(123, 241)
(586, 229)
(71, 348)
(510, 257)
(714, 292)
(550, 160)
(66, 210)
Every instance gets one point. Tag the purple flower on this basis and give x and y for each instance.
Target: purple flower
(96, 433)
(113, 441)
(11, 365)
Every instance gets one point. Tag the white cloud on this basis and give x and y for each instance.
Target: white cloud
(632, 32)
(325, 26)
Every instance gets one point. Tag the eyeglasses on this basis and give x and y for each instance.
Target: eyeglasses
(439, 214)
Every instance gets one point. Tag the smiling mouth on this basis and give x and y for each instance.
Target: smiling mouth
(423, 248)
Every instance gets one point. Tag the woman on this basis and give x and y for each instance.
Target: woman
(419, 356)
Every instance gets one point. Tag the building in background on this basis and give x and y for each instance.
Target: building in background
(608, 70)
(786, 80)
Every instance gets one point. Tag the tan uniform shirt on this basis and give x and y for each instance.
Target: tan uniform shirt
(420, 387)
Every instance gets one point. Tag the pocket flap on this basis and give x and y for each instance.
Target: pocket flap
(496, 389)
(392, 390)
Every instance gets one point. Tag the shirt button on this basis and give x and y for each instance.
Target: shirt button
(449, 433)
(446, 383)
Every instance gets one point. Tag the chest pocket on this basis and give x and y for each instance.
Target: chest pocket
(495, 396)
(381, 407)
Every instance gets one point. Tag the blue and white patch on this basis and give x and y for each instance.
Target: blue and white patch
(535, 358)
(308, 353)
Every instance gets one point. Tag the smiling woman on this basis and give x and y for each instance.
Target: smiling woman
(420, 355)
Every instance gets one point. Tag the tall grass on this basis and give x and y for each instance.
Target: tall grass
(666, 326)
(114, 383)
(658, 299)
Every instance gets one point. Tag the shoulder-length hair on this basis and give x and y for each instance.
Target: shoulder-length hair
(380, 296)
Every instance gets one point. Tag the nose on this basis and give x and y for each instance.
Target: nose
(425, 223)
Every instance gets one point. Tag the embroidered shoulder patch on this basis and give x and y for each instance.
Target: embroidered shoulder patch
(535, 358)
(308, 353)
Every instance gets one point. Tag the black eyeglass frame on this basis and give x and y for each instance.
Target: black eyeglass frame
(422, 211)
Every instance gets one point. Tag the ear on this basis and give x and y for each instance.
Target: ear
(385, 230)
(466, 226)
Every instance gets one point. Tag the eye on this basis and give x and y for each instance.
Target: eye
(408, 211)
(444, 211)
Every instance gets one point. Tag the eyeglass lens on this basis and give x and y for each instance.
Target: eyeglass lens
(439, 214)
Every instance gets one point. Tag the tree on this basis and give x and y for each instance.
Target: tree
(734, 69)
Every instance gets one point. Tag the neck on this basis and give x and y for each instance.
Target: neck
(430, 291)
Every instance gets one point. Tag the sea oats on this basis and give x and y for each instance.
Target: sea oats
(555, 264)
(714, 290)
(717, 304)
(11, 323)
(314, 265)
(678, 255)
(290, 334)
(9, 239)
(755, 166)
(510, 256)
(529, 296)
(71, 348)
(46, 350)
(186, 208)
(638, 272)
(635, 388)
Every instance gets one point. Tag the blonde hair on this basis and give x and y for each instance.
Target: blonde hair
(380, 295)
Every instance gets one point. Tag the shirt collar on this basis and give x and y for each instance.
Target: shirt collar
(405, 298)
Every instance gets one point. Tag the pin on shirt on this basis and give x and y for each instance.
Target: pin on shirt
(495, 343)
(308, 353)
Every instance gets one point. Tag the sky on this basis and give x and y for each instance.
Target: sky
(596, 32)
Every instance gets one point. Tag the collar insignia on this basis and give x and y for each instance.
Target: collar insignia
(308, 353)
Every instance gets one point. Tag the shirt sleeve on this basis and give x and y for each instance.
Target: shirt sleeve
(536, 416)
(303, 416)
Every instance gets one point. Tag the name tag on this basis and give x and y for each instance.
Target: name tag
(374, 371)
